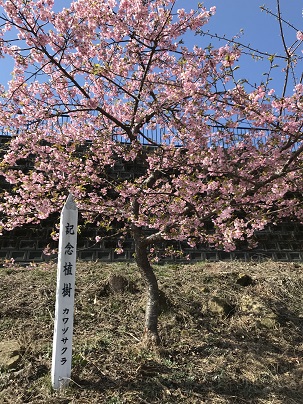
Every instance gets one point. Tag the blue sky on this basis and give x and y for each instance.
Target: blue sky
(261, 31)
(259, 27)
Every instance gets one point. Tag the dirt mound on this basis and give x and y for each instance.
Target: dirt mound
(231, 333)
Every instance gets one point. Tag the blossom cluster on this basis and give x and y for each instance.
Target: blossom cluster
(103, 70)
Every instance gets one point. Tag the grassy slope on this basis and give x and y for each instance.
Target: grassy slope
(221, 342)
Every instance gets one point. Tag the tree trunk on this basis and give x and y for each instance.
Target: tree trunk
(151, 336)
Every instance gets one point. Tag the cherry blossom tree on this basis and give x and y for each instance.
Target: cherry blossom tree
(93, 84)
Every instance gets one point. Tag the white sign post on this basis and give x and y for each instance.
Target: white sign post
(64, 311)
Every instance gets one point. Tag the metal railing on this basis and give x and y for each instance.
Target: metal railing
(157, 135)
(218, 136)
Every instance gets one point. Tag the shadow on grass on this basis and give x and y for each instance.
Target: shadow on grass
(176, 388)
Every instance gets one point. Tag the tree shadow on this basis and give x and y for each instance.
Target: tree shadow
(169, 385)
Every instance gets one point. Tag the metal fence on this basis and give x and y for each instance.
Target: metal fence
(217, 136)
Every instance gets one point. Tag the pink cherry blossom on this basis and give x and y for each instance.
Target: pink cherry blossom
(299, 35)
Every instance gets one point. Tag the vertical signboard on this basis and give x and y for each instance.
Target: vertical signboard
(64, 310)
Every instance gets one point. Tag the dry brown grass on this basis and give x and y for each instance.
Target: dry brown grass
(252, 354)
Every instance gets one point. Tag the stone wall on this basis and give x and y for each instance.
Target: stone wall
(24, 245)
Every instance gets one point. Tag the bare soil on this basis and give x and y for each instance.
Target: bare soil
(231, 333)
